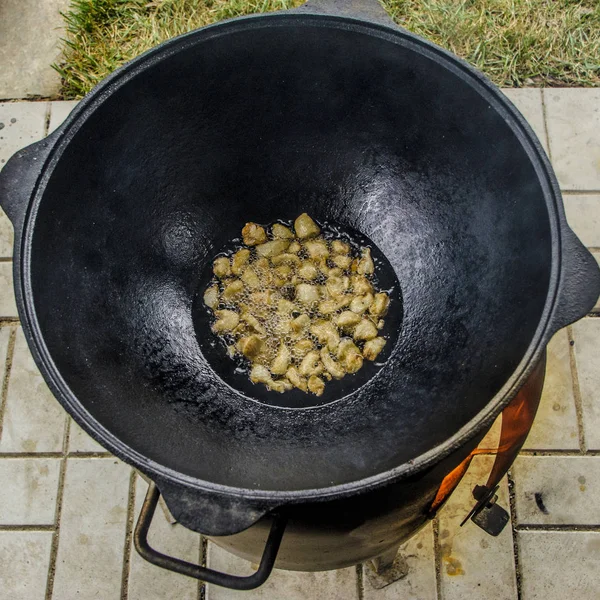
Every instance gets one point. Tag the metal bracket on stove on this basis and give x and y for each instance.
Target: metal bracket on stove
(488, 515)
(387, 568)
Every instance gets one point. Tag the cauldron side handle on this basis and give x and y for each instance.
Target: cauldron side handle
(19, 177)
(369, 10)
(579, 284)
(213, 513)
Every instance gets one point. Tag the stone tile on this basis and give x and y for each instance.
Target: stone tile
(21, 124)
(573, 119)
(288, 585)
(33, 419)
(8, 306)
(586, 334)
(597, 305)
(583, 215)
(474, 564)
(555, 425)
(7, 236)
(4, 335)
(559, 564)
(59, 111)
(80, 441)
(420, 582)
(147, 582)
(24, 561)
(529, 103)
(28, 490)
(557, 490)
(89, 562)
(30, 31)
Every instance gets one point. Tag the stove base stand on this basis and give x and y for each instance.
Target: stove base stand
(387, 568)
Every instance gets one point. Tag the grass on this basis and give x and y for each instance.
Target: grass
(515, 42)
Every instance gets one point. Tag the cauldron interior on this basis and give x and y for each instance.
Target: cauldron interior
(261, 120)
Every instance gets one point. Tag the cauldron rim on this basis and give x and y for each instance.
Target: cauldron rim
(58, 141)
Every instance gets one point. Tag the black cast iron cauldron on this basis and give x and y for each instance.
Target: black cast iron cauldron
(332, 110)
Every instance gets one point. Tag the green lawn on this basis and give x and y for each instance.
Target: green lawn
(515, 42)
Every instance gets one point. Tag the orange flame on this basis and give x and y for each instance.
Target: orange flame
(517, 419)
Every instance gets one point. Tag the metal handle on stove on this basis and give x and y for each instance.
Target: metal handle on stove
(182, 567)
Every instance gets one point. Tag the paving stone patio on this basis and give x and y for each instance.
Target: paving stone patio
(30, 33)
(67, 507)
